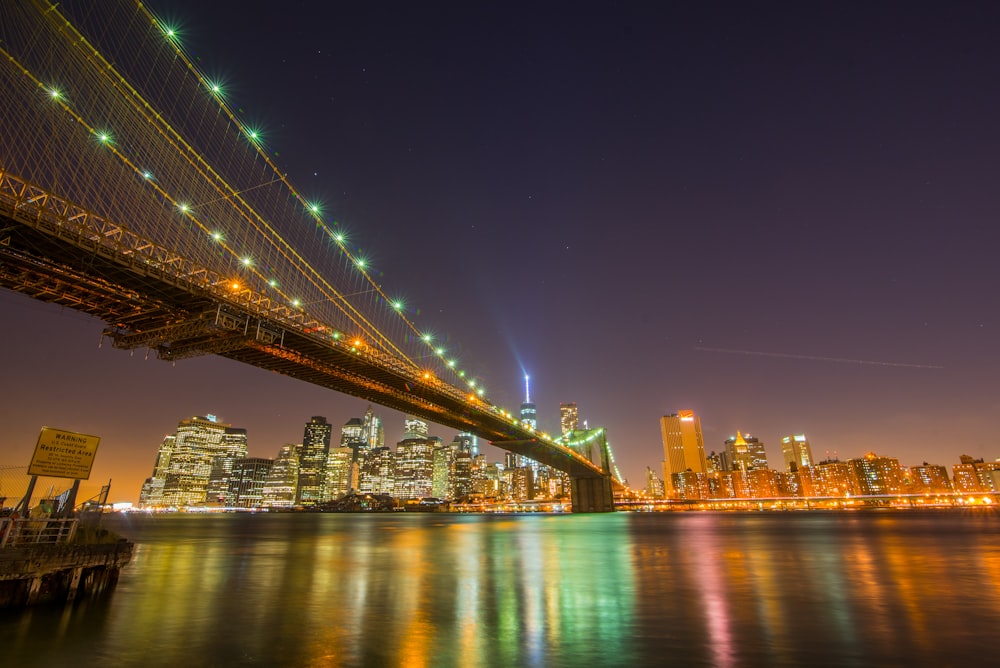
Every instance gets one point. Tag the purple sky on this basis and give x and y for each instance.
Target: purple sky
(632, 204)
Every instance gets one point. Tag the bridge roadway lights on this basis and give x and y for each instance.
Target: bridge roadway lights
(592, 495)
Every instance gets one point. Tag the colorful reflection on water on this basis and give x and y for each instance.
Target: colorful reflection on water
(712, 589)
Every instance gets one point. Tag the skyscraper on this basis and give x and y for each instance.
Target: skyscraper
(528, 412)
(415, 467)
(246, 482)
(744, 453)
(414, 428)
(683, 446)
(569, 418)
(312, 461)
(796, 452)
(198, 443)
(283, 480)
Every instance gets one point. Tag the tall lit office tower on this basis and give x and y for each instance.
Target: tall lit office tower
(414, 428)
(683, 446)
(529, 415)
(569, 418)
(232, 447)
(745, 453)
(340, 477)
(378, 472)
(312, 461)
(415, 467)
(152, 489)
(283, 480)
(372, 429)
(246, 482)
(199, 441)
(796, 452)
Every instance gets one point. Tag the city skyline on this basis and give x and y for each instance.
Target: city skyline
(781, 219)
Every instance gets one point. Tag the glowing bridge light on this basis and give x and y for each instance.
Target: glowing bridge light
(235, 285)
(216, 236)
(54, 93)
(103, 137)
(273, 283)
(439, 351)
(451, 363)
(147, 175)
(480, 391)
(426, 338)
(339, 238)
(360, 262)
(398, 305)
(357, 342)
(461, 374)
(314, 208)
(296, 303)
(247, 261)
(183, 207)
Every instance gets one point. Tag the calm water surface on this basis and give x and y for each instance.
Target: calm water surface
(681, 589)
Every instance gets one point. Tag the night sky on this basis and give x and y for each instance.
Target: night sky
(780, 215)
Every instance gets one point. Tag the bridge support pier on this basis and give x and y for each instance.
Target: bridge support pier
(592, 495)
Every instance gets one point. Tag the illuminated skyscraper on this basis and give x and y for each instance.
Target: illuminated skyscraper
(198, 443)
(378, 471)
(415, 467)
(339, 473)
(569, 419)
(312, 461)
(796, 452)
(528, 413)
(683, 446)
(283, 480)
(744, 453)
(246, 482)
(414, 428)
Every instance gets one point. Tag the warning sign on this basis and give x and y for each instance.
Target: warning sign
(63, 454)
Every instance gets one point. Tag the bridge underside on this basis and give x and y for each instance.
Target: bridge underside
(145, 305)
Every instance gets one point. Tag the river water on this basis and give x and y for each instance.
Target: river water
(893, 588)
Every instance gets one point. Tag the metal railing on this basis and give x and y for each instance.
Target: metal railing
(22, 532)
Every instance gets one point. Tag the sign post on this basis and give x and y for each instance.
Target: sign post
(61, 454)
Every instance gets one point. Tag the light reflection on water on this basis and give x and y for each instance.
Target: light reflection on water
(713, 589)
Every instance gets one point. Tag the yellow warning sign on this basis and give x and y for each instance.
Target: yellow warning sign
(63, 454)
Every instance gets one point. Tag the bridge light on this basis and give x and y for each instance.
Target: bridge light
(426, 338)
(147, 175)
(235, 285)
(336, 335)
(103, 137)
(216, 236)
(472, 397)
(439, 351)
(296, 303)
(273, 283)
(358, 342)
(480, 391)
(360, 262)
(183, 207)
(254, 135)
(461, 374)
(451, 363)
(338, 237)
(427, 375)
(398, 305)
(314, 208)
(247, 261)
(54, 93)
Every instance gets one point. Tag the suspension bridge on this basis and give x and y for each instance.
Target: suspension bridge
(134, 190)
